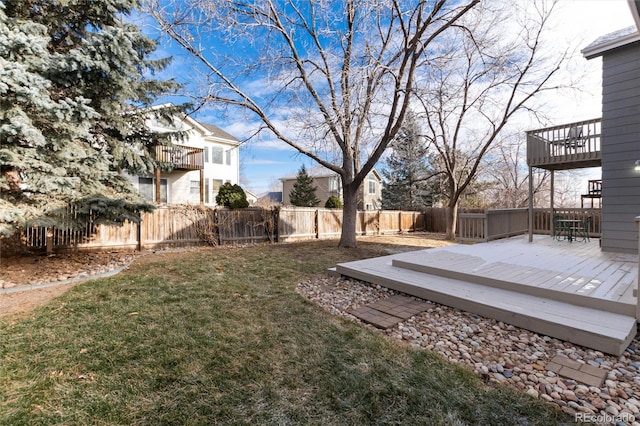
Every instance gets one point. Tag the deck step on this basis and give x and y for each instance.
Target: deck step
(460, 266)
(604, 331)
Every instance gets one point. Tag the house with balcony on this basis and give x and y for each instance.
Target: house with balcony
(583, 291)
(328, 183)
(202, 160)
(611, 142)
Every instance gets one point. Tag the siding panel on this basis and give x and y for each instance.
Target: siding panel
(620, 148)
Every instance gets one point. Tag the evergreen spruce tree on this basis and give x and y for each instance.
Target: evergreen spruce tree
(303, 193)
(406, 173)
(73, 76)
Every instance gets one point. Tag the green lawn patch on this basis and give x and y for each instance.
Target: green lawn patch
(220, 336)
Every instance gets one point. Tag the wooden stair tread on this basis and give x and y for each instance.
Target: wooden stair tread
(605, 331)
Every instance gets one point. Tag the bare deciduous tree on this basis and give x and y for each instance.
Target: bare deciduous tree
(509, 176)
(333, 79)
(491, 66)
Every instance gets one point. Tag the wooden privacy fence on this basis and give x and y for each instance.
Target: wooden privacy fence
(298, 223)
(494, 224)
(187, 225)
(180, 226)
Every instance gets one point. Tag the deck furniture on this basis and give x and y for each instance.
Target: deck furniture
(582, 229)
(594, 192)
(559, 230)
(569, 227)
(575, 139)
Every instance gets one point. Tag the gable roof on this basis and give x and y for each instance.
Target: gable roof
(314, 172)
(618, 38)
(211, 131)
(207, 130)
(218, 133)
(273, 196)
(611, 41)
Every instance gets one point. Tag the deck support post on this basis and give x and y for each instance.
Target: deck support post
(158, 196)
(202, 187)
(553, 190)
(530, 204)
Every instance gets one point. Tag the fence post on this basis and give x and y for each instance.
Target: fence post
(316, 223)
(139, 234)
(275, 216)
(49, 240)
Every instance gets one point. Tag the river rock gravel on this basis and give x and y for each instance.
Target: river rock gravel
(499, 352)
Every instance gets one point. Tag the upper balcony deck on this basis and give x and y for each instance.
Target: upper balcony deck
(569, 146)
(181, 157)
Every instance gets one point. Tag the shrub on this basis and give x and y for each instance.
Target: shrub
(232, 196)
(333, 202)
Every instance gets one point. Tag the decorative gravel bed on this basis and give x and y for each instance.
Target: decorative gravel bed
(500, 353)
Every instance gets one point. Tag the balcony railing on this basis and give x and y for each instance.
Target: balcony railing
(568, 146)
(181, 157)
(494, 224)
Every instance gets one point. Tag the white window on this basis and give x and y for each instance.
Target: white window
(216, 154)
(368, 207)
(206, 154)
(147, 189)
(216, 184)
(194, 187)
(334, 184)
(372, 184)
(228, 155)
(206, 190)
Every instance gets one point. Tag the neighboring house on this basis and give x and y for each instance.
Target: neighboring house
(202, 161)
(612, 142)
(328, 183)
(251, 197)
(270, 198)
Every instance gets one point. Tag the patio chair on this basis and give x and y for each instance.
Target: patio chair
(582, 230)
(560, 229)
(576, 139)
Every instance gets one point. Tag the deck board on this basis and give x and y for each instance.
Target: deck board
(578, 269)
(590, 302)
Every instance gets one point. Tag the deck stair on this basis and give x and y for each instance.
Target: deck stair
(573, 297)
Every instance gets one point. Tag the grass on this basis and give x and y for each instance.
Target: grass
(174, 340)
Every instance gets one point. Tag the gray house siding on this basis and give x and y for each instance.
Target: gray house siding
(620, 148)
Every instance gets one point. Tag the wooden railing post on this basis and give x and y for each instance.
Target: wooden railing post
(485, 235)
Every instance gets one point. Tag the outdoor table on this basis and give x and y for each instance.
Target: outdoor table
(569, 225)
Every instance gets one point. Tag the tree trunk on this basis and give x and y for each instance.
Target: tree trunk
(349, 216)
(452, 220)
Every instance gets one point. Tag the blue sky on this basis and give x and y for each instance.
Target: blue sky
(264, 160)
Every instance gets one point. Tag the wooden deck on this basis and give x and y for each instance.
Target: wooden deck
(572, 291)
